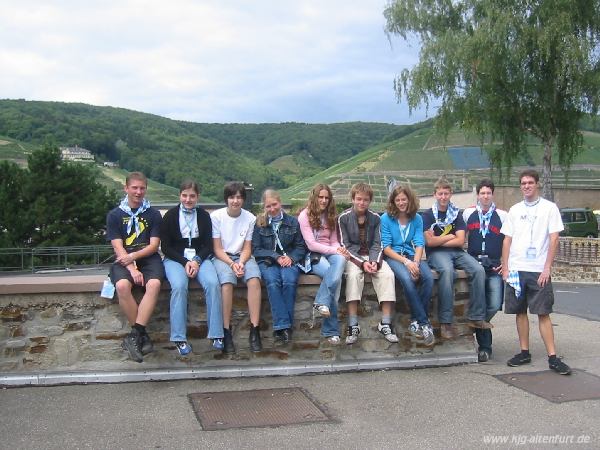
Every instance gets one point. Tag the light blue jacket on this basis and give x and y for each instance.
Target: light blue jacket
(391, 237)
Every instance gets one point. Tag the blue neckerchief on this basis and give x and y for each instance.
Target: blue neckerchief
(275, 223)
(451, 215)
(189, 213)
(484, 222)
(133, 216)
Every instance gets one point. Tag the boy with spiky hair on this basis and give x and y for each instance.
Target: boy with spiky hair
(133, 229)
(444, 230)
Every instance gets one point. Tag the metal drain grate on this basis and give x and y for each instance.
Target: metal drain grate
(556, 388)
(257, 408)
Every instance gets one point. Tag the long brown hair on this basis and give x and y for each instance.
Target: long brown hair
(413, 202)
(314, 212)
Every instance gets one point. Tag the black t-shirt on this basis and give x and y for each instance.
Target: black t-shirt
(429, 223)
(149, 225)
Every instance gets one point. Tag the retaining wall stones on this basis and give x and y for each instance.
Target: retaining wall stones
(60, 326)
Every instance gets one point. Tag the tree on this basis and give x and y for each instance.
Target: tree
(52, 203)
(11, 185)
(505, 69)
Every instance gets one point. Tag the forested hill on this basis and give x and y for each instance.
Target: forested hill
(169, 150)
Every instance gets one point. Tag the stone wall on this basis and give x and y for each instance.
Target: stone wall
(575, 272)
(77, 329)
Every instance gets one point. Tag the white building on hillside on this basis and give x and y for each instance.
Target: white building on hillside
(76, 154)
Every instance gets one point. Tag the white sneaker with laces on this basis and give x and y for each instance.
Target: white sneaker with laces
(353, 332)
(428, 337)
(387, 331)
(415, 330)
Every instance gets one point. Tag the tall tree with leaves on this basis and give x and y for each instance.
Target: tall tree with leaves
(505, 69)
(57, 203)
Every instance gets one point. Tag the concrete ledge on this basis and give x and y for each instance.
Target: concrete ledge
(68, 282)
(96, 377)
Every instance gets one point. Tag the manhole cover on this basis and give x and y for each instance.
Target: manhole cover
(257, 408)
(556, 388)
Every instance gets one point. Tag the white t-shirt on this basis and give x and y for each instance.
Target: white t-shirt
(233, 231)
(530, 228)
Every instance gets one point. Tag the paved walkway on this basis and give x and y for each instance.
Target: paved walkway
(462, 407)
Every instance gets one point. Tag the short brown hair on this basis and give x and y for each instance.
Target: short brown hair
(232, 188)
(442, 183)
(136, 176)
(530, 173)
(413, 202)
(363, 188)
(189, 184)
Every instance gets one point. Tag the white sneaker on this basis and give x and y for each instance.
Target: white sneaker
(333, 340)
(428, 337)
(414, 329)
(322, 310)
(387, 331)
(353, 332)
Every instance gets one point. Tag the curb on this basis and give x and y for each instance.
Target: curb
(258, 370)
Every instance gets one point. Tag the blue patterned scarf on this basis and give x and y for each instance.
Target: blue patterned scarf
(451, 215)
(133, 216)
(484, 219)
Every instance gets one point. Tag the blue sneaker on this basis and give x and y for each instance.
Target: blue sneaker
(183, 348)
(218, 344)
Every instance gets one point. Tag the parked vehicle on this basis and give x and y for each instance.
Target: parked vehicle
(580, 222)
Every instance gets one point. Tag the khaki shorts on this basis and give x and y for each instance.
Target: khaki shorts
(383, 281)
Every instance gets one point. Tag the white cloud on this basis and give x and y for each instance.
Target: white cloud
(210, 61)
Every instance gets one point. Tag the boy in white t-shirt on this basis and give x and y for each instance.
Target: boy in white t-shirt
(232, 229)
(531, 240)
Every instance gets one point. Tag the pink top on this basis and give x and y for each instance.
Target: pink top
(325, 241)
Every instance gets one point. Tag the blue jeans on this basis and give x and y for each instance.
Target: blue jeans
(445, 262)
(330, 268)
(417, 294)
(178, 279)
(494, 291)
(282, 283)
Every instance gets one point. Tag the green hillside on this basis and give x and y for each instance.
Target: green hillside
(168, 151)
(112, 178)
(421, 157)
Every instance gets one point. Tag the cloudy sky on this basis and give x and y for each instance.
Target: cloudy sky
(316, 61)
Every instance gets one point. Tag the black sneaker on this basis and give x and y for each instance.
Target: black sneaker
(483, 356)
(560, 367)
(518, 360)
(146, 345)
(131, 343)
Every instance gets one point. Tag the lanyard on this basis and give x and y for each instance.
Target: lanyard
(404, 233)
(189, 224)
(275, 226)
(484, 228)
(531, 219)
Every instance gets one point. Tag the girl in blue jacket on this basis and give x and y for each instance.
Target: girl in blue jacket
(403, 243)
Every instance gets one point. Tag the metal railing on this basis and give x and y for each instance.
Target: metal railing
(54, 258)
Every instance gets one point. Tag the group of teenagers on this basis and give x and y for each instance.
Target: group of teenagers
(505, 251)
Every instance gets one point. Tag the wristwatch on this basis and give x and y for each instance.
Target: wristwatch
(197, 259)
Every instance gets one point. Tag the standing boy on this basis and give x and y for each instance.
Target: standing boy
(133, 229)
(484, 242)
(444, 237)
(530, 244)
(360, 235)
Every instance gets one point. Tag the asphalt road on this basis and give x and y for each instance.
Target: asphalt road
(577, 299)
